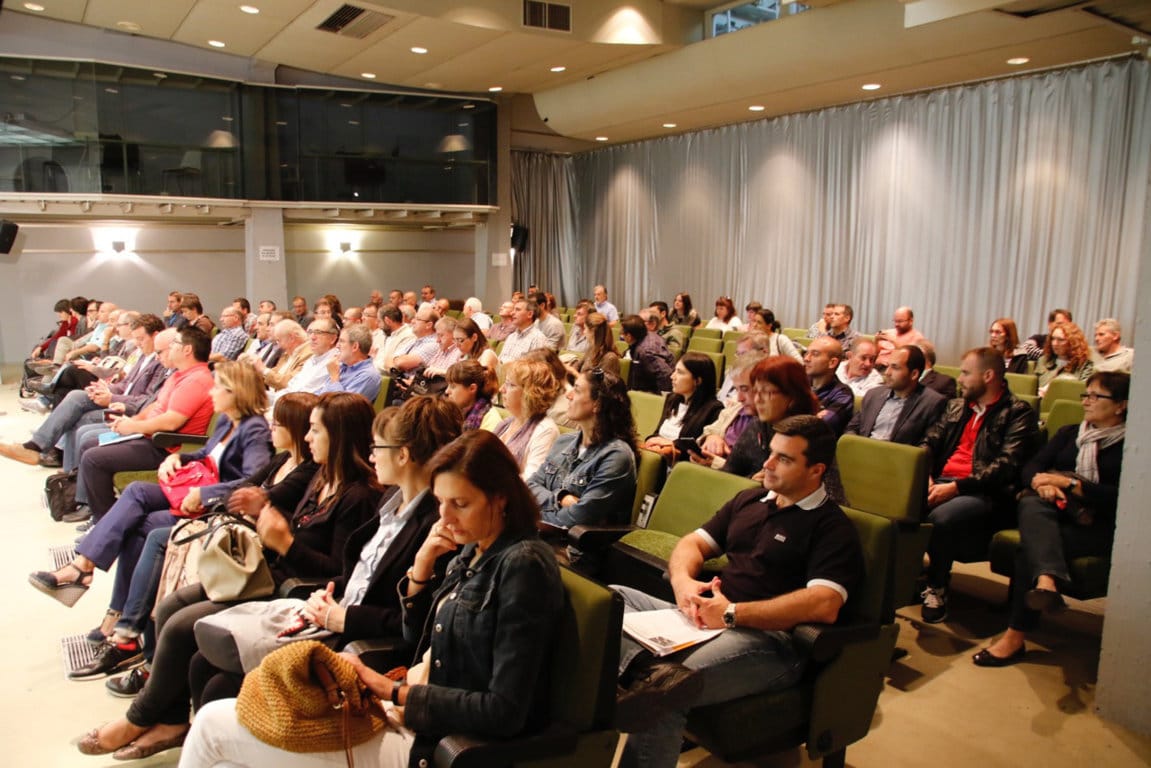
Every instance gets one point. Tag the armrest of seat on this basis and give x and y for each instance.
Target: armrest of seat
(588, 538)
(460, 751)
(177, 439)
(382, 653)
(823, 642)
(301, 588)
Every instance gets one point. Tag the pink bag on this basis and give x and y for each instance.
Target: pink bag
(194, 474)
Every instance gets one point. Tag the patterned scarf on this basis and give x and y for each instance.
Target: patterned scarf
(1090, 441)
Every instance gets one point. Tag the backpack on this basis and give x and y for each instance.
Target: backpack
(60, 494)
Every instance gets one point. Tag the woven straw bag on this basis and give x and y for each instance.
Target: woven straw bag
(305, 697)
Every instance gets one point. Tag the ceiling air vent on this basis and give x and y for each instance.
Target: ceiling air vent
(352, 21)
(552, 16)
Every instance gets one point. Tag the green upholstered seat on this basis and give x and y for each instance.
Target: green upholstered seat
(646, 408)
(1063, 413)
(707, 333)
(699, 343)
(1089, 574)
(949, 370)
(1022, 383)
(1060, 389)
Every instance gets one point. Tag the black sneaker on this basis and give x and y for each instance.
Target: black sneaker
(81, 513)
(110, 659)
(659, 687)
(934, 604)
(127, 686)
(53, 458)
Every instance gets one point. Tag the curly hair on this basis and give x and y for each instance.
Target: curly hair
(613, 417)
(538, 383)
(1078, 350)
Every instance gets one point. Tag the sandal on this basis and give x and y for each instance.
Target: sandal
(67, 592)
(101, 633)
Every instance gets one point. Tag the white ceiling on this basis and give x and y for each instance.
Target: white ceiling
(627, 91)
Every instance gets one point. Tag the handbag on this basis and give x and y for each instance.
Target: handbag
(194, 474)
(237, 639)
(231, 562)
(307, 698)
(181, 561)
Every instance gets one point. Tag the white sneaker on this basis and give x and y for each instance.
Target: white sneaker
(934, 604)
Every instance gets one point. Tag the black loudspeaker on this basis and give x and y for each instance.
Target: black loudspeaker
(8, 230)
(519, 238)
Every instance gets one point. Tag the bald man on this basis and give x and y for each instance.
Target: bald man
(901, 335)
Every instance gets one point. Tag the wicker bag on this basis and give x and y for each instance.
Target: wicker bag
(307, 698)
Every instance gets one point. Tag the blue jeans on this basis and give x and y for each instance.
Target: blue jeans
(63, 418)
(958, 525)
(736, 663)
(88, 427)
(137, 616)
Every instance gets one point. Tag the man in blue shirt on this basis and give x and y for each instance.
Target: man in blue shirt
(353, 371)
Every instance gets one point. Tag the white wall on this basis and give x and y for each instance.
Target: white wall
(52, 260)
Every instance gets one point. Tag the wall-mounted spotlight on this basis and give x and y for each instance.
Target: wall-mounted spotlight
(345, 247)
(86, 206)
(118, 246)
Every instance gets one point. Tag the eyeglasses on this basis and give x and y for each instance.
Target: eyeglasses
(1091, 397)
(385, 446)
(321, 333)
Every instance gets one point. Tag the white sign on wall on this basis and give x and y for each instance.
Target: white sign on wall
(269, 253)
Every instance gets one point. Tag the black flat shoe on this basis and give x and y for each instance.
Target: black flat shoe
(986, 658)
(1046, 600)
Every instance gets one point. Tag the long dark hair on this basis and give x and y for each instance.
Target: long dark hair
(291, 412)
(613, 418)
(347, 417)
(702, 369)
(486, 462)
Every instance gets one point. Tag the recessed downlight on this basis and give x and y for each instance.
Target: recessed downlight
(559, 69)
(419, 49)
(495, 89)
(871, 86)
(368, 75)
(250, 9)
(670, 125)
(756, 108)
(601, 138)
(18, 78)
(34, 7)
(1017, 61)
(216, 43)
(128, 26)
(468, 105)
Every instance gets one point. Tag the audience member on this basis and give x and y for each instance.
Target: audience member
(901, 334)
(550, 326)
(691, 407)
(763, 321)
(932, 379)
(447, 353)
(725, 318)
(352, 370)
(232, 338)
(1035, 345)
(822, 326)
(1110, 354)
(474, 311)
(1003, 337)
(471, 387)
(578, 342)
(1066, 355)
(530, 387)
(526, 335)
(398, 334)
(294, 352)
(779, 388)
(266, 350)
(902, 409)
(858, 370)
(836, 400)
(601, 351)
(193, 312)
(719, 438)
(505, 327)
(682, 312)
(300, 311)
(172, 316)
(313, 374)
(418, 352)
(473, 345)
(247, 320)
(976, 451)
(651, 361)
(656, 318)
(605, 307)
(840, 327)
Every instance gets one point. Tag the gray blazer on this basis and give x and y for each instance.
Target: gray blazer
(923, 408)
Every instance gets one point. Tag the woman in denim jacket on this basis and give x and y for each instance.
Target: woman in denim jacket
(485, 632)
(589, 475)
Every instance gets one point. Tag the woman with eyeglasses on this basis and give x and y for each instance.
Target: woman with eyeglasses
(1068, 512)
(530, 387)
(725, 318)
(1066, 355)
(779, 388)
(473, 344)
(471, 388)
(589, 475)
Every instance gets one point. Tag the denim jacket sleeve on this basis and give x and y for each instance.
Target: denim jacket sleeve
(603, 480)
(490, 640)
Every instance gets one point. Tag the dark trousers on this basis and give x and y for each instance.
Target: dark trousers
(1049, 537)
(98, 466)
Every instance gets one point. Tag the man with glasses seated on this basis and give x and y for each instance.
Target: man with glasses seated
(313, 374)
(352, 369)
(526, 336)
(416, 354)
(232, 338)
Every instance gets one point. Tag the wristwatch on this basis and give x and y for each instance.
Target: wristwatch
(1071, 486)
(729, 616)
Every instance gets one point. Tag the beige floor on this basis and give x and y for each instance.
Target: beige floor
(937, 708)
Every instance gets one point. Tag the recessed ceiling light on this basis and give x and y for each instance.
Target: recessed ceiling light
(34, 7)
(669, 125)
(1018, 60)
(250, 9)
(419, 49)
(601, 138)
(495, 89)
(110, 90)
(227, 118)
(871, 86)
(345, 105)
(159, 75)
(558, 69)
(469, 105)
(216, 43)
(368, 75)
(129, 26)
(353, 122)
(19, 77)
(281, 122)
(756, 108)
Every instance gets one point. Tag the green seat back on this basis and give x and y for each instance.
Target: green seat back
(708, 333)
(646, 408)
(718, 360)
(1061, 389)
(625, 371)
(1022, 383)
(687, 331)
(1062, 414)
(952, 371)
(733, 335)
(729, 354)
(1032, 400)
(383, 398)
(649, 476)
(586, 654)
(877, 538)
(621, 347)
(883, 478)
(691, 495)
(796, 334)
(703, 344)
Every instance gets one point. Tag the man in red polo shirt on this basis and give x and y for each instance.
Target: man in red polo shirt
(977, 449)
(183, 404)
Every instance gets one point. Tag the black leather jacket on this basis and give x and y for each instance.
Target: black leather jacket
(490, 640)
(1004, 444)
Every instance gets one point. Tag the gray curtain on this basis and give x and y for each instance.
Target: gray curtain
(544, 201)
(1001, 198)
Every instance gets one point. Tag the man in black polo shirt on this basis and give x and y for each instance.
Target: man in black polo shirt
(793, 557)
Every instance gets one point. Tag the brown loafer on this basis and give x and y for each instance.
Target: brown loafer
(89, 744)
(136, 752)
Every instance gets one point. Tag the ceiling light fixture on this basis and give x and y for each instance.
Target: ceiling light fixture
(18, 77)
(559, 69)
(601, 138)
(419, 49)
(345, 247)
(129, 26)
(756, 108)
(670, 125)
(871, 86)
(216, 43)
(495, 89)
(250, 9)
(118, 246)
(468, 105)
(159, 75)
(1016, 61)
(34, 7)
(368, 75)
(112, 91)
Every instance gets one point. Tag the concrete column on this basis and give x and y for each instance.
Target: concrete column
(265, 270)
(1123, 693)
(493, 239)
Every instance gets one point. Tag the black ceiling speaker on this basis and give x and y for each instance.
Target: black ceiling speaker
(519, 238)
(8, 230)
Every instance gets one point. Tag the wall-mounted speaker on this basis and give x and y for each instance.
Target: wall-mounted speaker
(8, 230)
